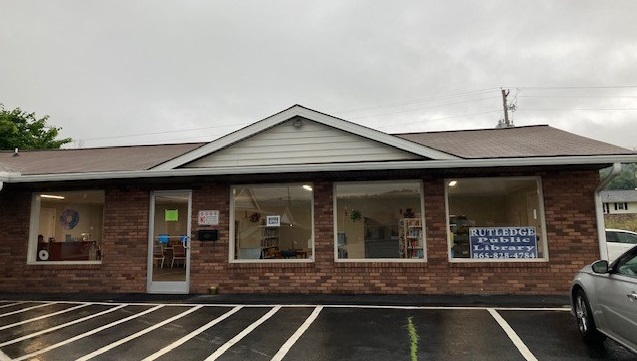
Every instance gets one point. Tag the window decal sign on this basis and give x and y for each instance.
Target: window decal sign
(171, 215)
(503, 242)
(208, 218)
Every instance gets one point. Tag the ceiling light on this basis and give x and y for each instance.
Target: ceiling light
(51, 196)
(453, 183)
(307, 187)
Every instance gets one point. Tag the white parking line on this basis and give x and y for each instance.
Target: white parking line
(27, 309)
(299, 332)
(60, 326)
(138, 334)
(72, 339)
(44, 316)
(189, 336)
(517, 341)
(13, 304)
(221, 350)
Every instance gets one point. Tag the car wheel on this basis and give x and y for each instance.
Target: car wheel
(585, 321)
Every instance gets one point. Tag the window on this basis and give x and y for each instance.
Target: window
(379, 220)
(272, 222)
(606, 208)
(496, 219)
(621, 206)
(66, 226)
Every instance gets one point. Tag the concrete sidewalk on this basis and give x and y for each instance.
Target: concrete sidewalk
(304, 299)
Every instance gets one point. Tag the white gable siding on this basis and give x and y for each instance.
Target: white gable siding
(310, 143)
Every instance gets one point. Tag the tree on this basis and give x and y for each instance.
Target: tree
(22, 130)
(626, 180)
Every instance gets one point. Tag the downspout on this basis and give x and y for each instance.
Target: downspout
(599, 209)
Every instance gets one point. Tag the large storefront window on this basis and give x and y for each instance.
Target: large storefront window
(66, 226)
(272, 222)
(379, 220)
(496, 219)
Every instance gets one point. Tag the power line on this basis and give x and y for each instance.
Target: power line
(421, 108)
(436, 119)
(580, 96)
(422, 100)
(166, 132)
(577, 87)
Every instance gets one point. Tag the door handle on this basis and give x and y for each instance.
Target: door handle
(185, 242)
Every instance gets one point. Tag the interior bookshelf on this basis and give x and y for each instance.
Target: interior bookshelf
(411, 238)
(269, 240)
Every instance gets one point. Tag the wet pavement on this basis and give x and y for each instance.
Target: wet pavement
(284, 327)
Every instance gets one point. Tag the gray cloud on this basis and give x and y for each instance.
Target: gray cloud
(107, 70)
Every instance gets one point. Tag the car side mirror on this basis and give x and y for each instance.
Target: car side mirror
(600, 266)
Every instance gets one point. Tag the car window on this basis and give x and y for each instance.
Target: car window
(627, 238)
(627, 263)
(611, 237)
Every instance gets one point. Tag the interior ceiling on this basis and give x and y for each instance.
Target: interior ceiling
(488, 186)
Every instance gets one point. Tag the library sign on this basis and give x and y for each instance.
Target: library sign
(503, 242)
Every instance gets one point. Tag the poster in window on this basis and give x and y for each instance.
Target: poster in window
(208, 218)
(503, 242)
(171, 215)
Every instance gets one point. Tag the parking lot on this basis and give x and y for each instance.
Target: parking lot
(65, 330)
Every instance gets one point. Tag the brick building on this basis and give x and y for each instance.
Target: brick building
(303, 202)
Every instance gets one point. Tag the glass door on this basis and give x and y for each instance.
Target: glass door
(169, 242)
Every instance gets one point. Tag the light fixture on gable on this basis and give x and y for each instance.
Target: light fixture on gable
(297, 123)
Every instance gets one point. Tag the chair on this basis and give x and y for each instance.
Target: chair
(159, 255)
(179, 255)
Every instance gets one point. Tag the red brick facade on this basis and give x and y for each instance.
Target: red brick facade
(569, 215)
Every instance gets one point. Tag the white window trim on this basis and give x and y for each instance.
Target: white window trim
(544, 259)
(378, 260)
(34, 224)
(231, 241)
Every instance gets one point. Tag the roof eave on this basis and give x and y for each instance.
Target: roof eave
(329, 167)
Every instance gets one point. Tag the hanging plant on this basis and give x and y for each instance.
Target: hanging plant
(255, 217)
(355, 215)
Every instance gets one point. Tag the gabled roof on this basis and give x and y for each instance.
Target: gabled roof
(529, 141)
(509, 147)
(312, 115)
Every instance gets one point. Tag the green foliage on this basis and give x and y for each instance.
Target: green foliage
(22, 130)
(626, 180)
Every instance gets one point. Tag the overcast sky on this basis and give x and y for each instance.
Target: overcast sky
(143, 72)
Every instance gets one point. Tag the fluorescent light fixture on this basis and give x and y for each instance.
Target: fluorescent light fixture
(51, 196)
(453, 183)
(307, 187)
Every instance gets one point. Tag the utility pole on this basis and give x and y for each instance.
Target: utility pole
(505, 93)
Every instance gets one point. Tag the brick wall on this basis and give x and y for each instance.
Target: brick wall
(571, 231)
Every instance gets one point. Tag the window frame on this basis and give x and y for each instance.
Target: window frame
(34, 224)
(232, 231)
(377, 260)
(542, 215)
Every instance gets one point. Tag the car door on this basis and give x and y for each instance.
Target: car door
(617, 297)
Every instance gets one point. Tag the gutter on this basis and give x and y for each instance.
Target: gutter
(599, 209)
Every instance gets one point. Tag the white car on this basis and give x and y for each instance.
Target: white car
(604, 300)
(619, 241)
